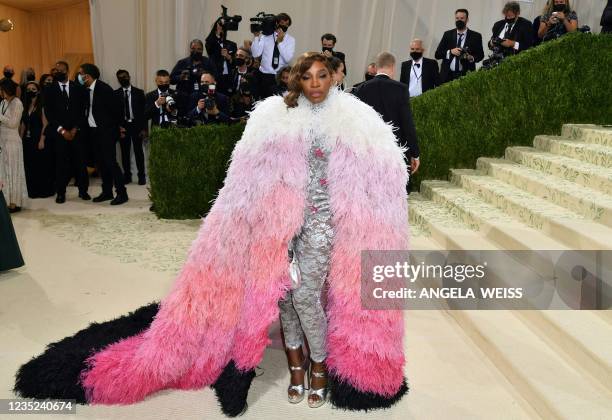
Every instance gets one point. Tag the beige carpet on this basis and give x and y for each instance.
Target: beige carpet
(90, 262)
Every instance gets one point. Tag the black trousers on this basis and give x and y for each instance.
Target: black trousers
(105, 140)
(132, 137)
(266, 84)
(67, 153)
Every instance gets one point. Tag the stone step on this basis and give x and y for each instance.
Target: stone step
(581, 337)
(448, 231)
(544, 378)
(559, 223)
(573, 170)
(585, 201)
(586, 152)
(588, 133)
(496, 226)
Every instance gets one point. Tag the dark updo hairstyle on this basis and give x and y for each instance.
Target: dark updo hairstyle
(9, 87)
(302, 65)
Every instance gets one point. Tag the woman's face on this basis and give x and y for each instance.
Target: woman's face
(316, 82)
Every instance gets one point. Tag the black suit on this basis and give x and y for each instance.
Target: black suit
(133, 129)
(521, 32)
(204, 118)
(391, 99)
(214, 46)
(430, 75)
(107, 115)
(473, 41)
(67, 114)
(159, 115)
(187, 86)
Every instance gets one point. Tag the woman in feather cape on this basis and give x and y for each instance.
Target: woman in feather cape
(212, 328)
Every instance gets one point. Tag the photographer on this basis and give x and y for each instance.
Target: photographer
(208, 106)
(512, 34)
(221, 51)
(240, 70)
(460, 49)
(242, 101)
(328, 43)
(276, 51)
(557, 19)
(185, 74)
(162, 104)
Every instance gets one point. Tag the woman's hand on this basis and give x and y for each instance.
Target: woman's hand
(41, 143)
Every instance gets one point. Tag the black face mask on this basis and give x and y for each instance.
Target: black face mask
(368, 76)
(31, 94)
(196, 55)
(460, 24)
(163, 88)
(510, 21)
(559, 7)
(416, 55)
(204, 87)
(284, 28)
(60, 76)
(240, 61)
(124, 82)
(330, 49)
(8, 74)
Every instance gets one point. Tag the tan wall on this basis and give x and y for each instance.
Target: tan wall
(43, 37)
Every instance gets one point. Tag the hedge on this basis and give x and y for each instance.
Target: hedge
(187, 167)
(535, 92)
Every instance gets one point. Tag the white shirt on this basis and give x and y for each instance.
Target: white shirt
(506, 30)
(455, 64)
(129, 94)
(416, 80)
(263, 46)
(90, 118)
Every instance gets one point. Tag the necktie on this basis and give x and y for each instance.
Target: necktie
(126, 105)
(65, 95)
(275, 56)
(457, 62)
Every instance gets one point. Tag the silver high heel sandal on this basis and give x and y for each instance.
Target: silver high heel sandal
(296, 398)
(320, 392)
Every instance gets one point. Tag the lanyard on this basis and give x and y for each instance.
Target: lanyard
(5, 105)
(415, 73)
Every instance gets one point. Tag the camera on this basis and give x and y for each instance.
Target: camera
(496, 43)
(171, 104)
(463, 56)
(264, 23)
(496, 56)
(209, 97)
(230, 23)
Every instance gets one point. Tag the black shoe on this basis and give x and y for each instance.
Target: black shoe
(61, 198)
(120, 199)
(142, 180)
(14, 209)
(152, 208)
(84, 196)
(103, 197)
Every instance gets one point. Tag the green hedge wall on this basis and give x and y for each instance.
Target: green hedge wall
(562, 81)
(535, 92)
(187, 167)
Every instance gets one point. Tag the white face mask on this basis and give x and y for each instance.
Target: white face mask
(81, 79)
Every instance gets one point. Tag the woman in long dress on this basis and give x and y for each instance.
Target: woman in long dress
(11, 160)
(10, 255)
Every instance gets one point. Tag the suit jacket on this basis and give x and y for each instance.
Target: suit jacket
(391, 99)
(522, 32)
(137, 101)
(213, 49)
(106, 112)
(151, 111)
(58, 113)
(430, 73)
(187, 64)
(473, 41)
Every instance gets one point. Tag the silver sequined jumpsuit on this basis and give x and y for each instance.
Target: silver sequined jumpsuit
(301, 310)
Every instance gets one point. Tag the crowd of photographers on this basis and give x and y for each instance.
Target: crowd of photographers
(75, 120)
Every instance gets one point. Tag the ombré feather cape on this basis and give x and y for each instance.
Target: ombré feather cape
(212, 328)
